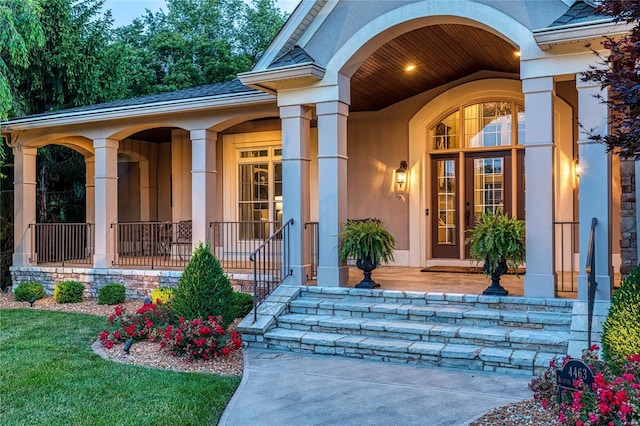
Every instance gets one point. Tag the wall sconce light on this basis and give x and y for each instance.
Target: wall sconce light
(577, 167)
(401, 175)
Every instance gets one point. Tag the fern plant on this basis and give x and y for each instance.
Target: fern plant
(366, 239)
(496, 239)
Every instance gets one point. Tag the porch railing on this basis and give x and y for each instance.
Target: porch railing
(152, 244)
(566, 237)
(314, 247)
(233, 242)
(271, 265)
(62, 243)
(590, 269)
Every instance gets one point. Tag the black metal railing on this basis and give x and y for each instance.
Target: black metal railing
(590, 269)
(271, 265)
(62, 243)
(233, 242)
(314, 248)
(152, 244)
(566, 235)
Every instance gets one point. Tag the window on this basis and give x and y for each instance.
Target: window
(259, 190)
(485, 124)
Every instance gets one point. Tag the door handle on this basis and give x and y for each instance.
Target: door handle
(467, 215)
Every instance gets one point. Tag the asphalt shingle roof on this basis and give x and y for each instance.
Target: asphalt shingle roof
(216, 89)
(579, 12)
(296, 55)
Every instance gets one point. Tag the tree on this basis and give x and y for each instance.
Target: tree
(621, 75)
(196, 42)
(21, 29)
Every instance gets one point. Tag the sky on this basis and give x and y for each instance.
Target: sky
(124, 11)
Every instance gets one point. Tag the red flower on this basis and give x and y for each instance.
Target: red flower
(116, 334)
(104, 335)
(130, 329)
(226, 351)
(108, 344)
(204, 330)
(119, 310)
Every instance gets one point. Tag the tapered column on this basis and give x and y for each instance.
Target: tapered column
(90, 189)
(203, 183)
(181, 179)
(106, 200)
(332, 190)
(296, 139)
(24, 186)
(594, 187)
(540, 279)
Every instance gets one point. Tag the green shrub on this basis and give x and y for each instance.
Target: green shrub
(68, 292)
(163, 294)
(111, 294)
(204, 289)
(27, 290)
(621, 329)
(243, 304)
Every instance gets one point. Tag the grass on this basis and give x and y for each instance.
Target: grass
(49, 375)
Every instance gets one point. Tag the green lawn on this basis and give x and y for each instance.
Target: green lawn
(50, 376)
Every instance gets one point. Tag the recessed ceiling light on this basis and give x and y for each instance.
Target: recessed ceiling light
(410, 68)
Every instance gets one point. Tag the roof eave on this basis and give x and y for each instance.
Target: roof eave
(267, 80)
(548, 37)
(156, 108)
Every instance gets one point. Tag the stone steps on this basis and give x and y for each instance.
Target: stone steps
(487, 333)
(540, 340)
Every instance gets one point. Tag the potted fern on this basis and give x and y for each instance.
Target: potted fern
(369, 242)
(499, 241)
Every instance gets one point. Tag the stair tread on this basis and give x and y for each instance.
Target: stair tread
(445, 350)
(492, 333)
(471, 312)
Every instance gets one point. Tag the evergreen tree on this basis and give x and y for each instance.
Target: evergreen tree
(204, 289)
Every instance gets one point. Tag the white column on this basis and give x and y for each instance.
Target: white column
(203, 183)
(106, 198)
(296, 161)
(24, 186)
(540, 279)
(90, 189)
(594, 187)
(180, 176)
(332, 190)
(145, 190)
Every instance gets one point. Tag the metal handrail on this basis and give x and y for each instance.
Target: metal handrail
(233, 241)
(314, 248)
(590, 269)
(271, 258)
(62, 243)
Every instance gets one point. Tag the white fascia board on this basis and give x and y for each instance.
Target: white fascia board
(308, 70)
(547, 37)
(113, 113)
(288, 30)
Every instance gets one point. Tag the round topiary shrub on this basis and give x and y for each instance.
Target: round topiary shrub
(111, 294)
(68, 292)
(243, 303)
(163, 295)
(204, 289)
(621, 329)
(27, 290)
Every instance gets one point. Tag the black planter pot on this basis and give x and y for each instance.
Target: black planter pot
(366, 266)
(495, 289)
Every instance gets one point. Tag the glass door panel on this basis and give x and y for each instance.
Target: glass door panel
(445, 238)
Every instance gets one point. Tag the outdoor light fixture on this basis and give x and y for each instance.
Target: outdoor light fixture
(401, 175)
(577, 168)
(31, 301)
(127, 346)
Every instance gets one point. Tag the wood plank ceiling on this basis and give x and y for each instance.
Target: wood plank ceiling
(440, 53)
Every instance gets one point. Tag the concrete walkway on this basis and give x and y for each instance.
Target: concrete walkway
(284, 388)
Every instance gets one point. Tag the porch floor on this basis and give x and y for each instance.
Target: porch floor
(412, 279)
